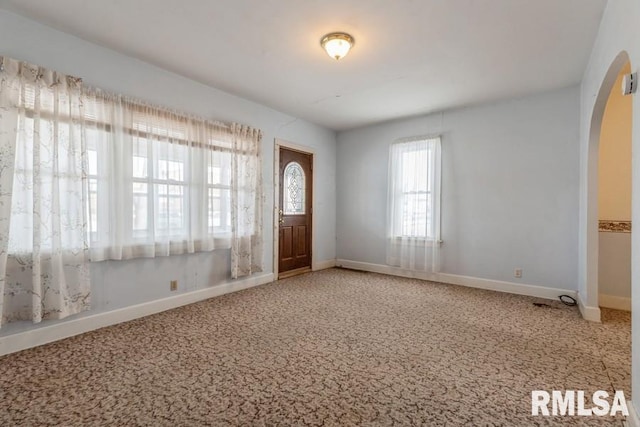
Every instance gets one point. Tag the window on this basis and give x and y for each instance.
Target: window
(37, 162)
(413, 221)
(414, 198)
(416, 193)
(219, 191)
(159, 187)
(158, 182)
(92, 176)
(294, 194)
(148, 181)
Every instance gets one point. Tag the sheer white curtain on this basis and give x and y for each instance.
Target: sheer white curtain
(159, 181)
(246, 209)
(413, 217)
(165, 183)
(43, 241)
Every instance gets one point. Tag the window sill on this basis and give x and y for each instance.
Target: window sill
(158, 249)
(417, 241)
(136, 249)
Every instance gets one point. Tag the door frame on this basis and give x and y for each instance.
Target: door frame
(280, 143)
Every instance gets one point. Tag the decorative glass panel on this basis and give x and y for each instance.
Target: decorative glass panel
(294, 189)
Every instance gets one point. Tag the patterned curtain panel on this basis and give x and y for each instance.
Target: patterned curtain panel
(44, 270)
(246, 206)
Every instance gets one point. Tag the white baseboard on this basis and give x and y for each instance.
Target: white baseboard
(612, 301)
(589, 313)
(633, 420)
(323, 265)
(454, 279)
(68, 328)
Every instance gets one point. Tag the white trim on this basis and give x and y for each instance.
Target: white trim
(589, 221)
(323, 265)
(454, 279)
(276, 197)
(418, 138)
(589, 313)
(69, 328)
(633, 420)
(293, 146)
(612, 301)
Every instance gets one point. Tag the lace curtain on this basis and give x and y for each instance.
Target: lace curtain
(246, 209)
(88, 175)
(44, 270)
(413, 219)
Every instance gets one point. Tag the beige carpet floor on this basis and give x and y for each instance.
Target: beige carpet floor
(335, 347)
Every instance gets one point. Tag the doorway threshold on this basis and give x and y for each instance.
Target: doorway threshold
(295, 272)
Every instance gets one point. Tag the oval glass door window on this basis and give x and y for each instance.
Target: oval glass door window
(294, 193)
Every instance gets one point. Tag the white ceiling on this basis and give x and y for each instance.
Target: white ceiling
(410, 57)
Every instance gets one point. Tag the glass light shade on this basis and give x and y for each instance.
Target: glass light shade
(337, 45)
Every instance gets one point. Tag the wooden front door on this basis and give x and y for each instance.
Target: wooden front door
(296, 187)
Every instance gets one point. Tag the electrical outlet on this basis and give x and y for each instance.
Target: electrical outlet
(174, 285)
(517, 273)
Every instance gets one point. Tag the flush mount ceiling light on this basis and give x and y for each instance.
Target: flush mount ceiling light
(337, 45)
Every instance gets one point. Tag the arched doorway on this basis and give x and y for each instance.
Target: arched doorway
(592, 219)
(614, 200)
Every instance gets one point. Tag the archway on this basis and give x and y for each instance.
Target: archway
(592, 220)
(614, 200)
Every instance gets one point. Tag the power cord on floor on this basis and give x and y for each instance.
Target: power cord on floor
(568, 300)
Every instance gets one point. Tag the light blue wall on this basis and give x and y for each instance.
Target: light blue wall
(509, 188)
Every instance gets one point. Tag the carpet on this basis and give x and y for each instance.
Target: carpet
(334, 347)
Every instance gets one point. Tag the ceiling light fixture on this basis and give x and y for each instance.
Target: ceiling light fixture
(337, 45)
